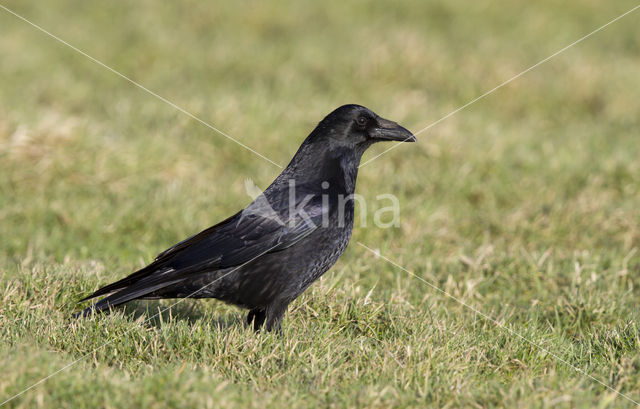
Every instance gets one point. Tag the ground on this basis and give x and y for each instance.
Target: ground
(523, 206)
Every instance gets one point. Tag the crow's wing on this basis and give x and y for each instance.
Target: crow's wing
(247, 235)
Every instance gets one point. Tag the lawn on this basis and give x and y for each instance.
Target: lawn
(523, 209)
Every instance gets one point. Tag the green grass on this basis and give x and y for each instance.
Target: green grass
(526, 205)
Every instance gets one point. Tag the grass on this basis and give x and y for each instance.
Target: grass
(524, 205)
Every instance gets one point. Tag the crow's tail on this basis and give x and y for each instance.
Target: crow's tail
(139, 289)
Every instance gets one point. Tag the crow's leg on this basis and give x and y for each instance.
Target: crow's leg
(275, 312)
(256, 315)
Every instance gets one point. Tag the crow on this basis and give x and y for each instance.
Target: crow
(266, 255)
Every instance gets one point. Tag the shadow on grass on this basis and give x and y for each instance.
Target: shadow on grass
(157, 313)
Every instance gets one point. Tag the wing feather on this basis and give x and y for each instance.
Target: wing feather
(232, 242)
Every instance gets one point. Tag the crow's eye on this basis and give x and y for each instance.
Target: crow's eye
(362, 121)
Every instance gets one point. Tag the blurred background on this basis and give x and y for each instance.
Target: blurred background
(526, 203)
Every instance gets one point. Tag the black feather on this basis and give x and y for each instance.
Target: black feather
(266, 255)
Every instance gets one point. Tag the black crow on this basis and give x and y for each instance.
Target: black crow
(266, 255)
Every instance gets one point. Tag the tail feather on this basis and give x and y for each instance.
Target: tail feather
(125, 282)
(140, 284)
(132, 292)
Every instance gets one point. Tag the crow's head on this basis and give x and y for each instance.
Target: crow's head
(358, 127)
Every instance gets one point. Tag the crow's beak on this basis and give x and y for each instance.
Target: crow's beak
(391, 131)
